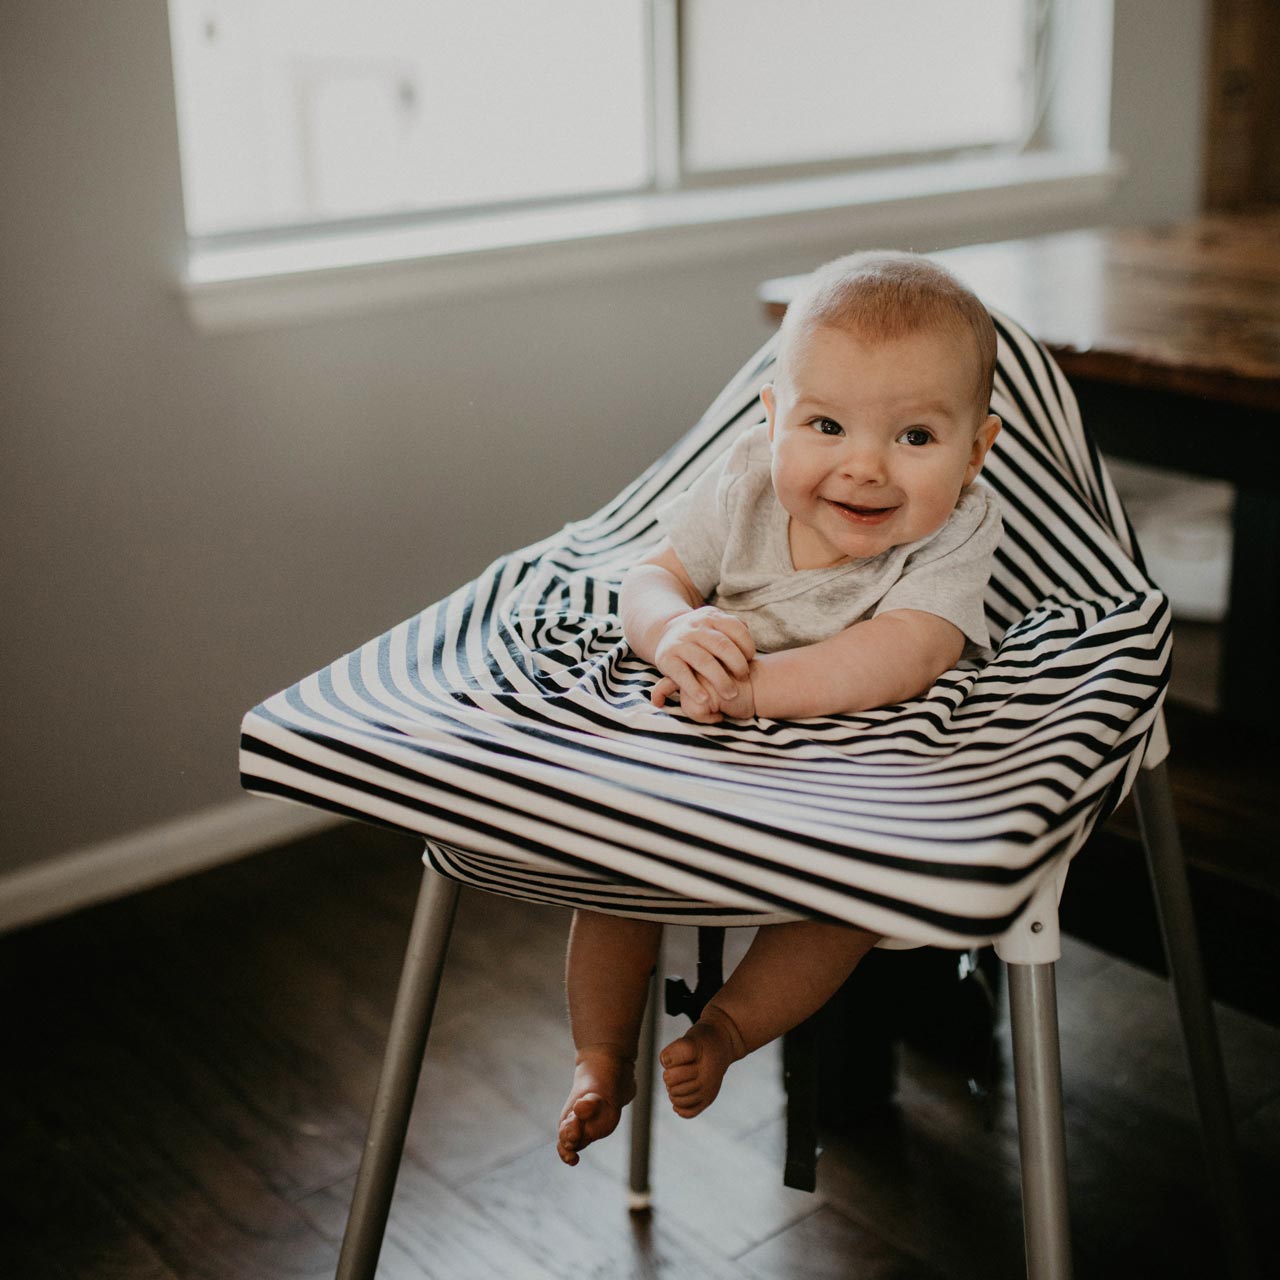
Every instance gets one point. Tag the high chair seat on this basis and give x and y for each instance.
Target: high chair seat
(510, 725)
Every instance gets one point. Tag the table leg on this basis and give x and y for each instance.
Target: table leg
(1246, 686)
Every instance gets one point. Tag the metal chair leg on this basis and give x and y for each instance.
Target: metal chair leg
(1037, 1064)
(1167, 867)
(401, 1067)
(639, 1198)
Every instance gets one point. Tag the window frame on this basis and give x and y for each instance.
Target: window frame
(240, 279)
(670, 20)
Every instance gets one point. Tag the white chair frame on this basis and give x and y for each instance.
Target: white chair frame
(1029, 949)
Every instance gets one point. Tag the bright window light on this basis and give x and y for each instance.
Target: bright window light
(305, 111)
(311, 113)
(773, 82)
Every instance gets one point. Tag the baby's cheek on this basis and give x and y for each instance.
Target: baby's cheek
(790, 492)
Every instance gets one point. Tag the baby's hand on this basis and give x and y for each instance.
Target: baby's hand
(741, 706)
(705, 653)
(703, 712)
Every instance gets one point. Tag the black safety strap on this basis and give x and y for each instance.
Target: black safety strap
(799, 1059)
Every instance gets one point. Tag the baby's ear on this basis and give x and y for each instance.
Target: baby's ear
(982, 442)
(770, 404)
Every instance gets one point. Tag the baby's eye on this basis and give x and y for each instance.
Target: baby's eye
(828, 426)
(916, 436)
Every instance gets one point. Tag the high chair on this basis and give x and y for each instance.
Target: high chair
(509, 726)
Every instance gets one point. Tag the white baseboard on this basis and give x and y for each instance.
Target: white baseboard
(152, 856)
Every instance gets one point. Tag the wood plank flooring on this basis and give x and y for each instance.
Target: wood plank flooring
(186, 1074)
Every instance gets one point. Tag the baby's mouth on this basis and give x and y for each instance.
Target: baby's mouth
(860, 515)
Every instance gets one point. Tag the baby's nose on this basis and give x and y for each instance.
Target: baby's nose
(864, 465)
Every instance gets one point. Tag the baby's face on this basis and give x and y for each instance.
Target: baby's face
(872, 441)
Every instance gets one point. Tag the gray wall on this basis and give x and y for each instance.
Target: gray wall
(191, 522)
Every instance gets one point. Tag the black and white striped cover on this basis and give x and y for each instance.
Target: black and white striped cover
(509, 724)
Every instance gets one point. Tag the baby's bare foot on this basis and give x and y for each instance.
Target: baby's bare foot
(695, 1064)
(604, 1081)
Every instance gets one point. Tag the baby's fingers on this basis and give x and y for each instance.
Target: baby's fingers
(707, 709)
(738, 632)
(703, 717)
(695, 697)
(662, 691)
(731, 660)
(709, 659)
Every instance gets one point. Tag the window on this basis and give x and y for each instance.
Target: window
(776, 82)
(303, 113)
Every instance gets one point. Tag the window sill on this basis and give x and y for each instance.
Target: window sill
(315, 276)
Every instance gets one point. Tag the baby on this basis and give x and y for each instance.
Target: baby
(833, 560)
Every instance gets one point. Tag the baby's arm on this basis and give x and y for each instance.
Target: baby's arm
(701, 650)
(884, 660)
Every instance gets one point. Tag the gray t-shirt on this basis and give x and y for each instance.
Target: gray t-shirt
(730, 532)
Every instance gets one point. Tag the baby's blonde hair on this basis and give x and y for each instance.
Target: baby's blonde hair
(884, 294)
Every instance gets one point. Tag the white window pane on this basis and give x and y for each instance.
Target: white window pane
(792, 81)
(303, 110)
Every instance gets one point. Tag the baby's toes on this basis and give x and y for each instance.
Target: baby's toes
(679, 1053)
(680, 1074)
(677, 1077)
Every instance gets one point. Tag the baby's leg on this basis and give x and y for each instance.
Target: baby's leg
(607, 980)
(789, 972)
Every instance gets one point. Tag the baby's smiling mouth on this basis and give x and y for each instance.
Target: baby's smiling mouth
(860, 515)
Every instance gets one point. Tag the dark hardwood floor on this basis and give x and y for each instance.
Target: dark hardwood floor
(186, 1075)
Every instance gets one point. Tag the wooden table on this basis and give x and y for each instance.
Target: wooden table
(1171, 340)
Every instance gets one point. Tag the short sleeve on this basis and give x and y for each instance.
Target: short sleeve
(948, 575)
(698, 521)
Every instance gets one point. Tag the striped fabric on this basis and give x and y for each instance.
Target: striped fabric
(509, 724)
